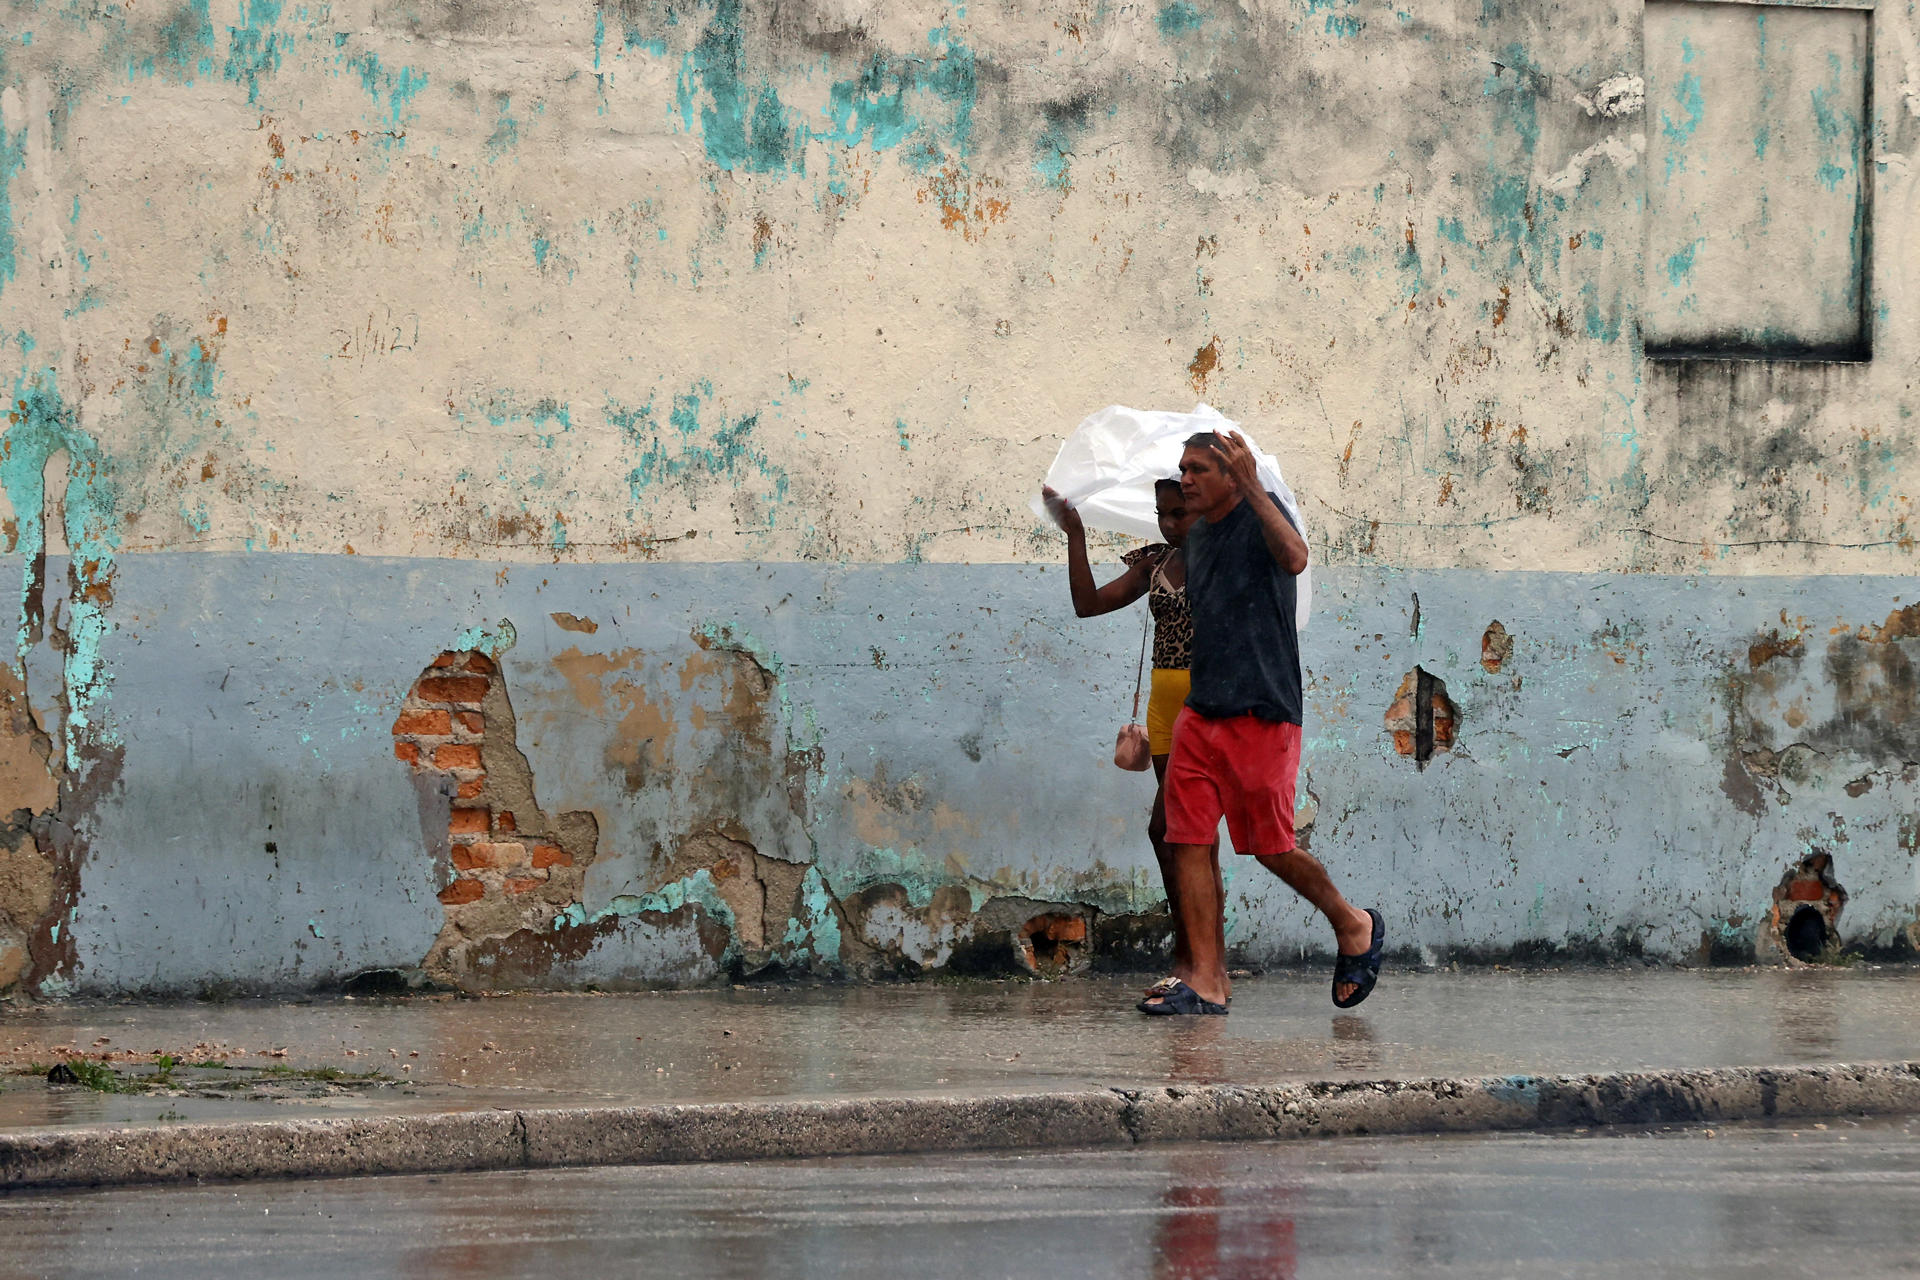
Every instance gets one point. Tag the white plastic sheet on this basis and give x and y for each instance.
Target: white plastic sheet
(1106, 470)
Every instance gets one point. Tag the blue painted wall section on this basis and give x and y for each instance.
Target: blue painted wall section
(912, 814)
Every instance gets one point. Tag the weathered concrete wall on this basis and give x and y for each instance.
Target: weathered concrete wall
(715, 348)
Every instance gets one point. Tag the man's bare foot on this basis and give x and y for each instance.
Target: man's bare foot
(1213, 990)
(1353, 939)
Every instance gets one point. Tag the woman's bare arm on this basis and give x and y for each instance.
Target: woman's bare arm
(1090, 601)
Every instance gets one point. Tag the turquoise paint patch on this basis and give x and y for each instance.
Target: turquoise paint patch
(1178, 19)
(541, 248)
(1692, 106)
(871, 106)
(186, 43)
(900, 426)
(687, 448)
(1056, 143)
(1451, 229)
(1524, 1090)
(493, 642)
(1338, 20)
(399, 87)
(1839, 130)
(919, 880)
(506, 131)
(815, 932)
(1507, 212)
(1680, 265)
(253, 47)
(1602, 327)
(697, 890)
(41, 426)
(745, 126)
(13, 158)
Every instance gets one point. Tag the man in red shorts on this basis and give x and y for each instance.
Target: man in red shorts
(1236, 745)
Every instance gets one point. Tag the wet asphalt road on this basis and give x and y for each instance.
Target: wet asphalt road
(1836, 1201)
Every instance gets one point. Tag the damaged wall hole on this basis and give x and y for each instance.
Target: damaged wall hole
(505, 862)
(1805, 919)
(1496, 648)
(1052, 943)
(1422, 717)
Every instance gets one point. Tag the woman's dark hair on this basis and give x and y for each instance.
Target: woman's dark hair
(1161, 486)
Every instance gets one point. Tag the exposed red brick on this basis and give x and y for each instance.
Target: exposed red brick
(1403, 742)
(471, 721)
(1069, 930)
(433, 723)
(463, 858)
(503, 821)
(520, 884)
(463, 891)
(451, 689)
(407, 751)
(467, 822)
(482, 663)
(456, 755)
(472, 787)
(500, 856)
(446, 659)
(551, 855)
(1806, 891)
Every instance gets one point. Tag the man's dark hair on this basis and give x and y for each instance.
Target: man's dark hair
(1203, 440)
(1166, 482)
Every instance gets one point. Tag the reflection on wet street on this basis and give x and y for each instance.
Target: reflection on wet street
(1833, 1200)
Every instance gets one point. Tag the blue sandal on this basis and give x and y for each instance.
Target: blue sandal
(1181, 999)
(1362, 970)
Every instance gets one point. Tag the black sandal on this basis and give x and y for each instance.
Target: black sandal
(1362, 970)
(1163, 987)
(1182, 999)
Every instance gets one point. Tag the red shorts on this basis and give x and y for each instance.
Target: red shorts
(1243, 769)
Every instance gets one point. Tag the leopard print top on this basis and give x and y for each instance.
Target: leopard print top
(1172, 618)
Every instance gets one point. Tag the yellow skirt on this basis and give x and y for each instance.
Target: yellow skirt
(1170, 689)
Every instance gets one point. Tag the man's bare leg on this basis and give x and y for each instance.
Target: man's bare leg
(1352, 927)
(1196, 880)
(1219, 912)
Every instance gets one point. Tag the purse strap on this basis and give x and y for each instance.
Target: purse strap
(1140, 676)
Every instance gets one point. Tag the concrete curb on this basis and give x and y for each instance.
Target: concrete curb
(470, 1141)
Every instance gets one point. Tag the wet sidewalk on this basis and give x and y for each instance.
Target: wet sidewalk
(433, 1054)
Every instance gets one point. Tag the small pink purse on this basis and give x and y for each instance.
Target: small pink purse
(1130, 749)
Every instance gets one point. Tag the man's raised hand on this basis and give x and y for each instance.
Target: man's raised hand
(1238, 461)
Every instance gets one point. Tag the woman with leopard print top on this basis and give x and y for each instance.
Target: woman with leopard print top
(1159, 572)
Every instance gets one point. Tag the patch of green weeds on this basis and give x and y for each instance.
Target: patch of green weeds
(331, 1075)
(98, 1076)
